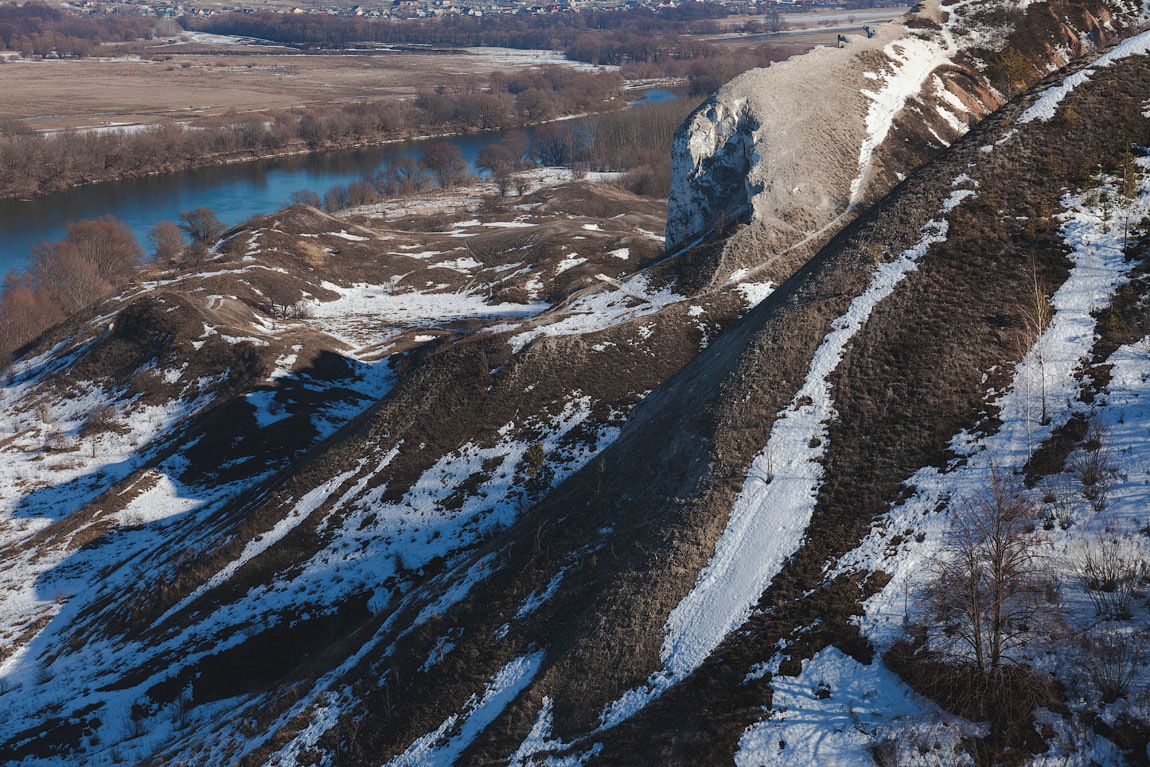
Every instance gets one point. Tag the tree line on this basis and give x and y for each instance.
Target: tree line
(32, 163)
(38, 29)
(635, 142)
(93, 260)
(529, 31)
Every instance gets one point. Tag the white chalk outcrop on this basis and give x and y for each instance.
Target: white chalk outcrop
(799, 146)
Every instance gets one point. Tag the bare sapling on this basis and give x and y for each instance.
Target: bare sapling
(1036, 313)
(986, 599)
(1021, 341)
(1128, 191)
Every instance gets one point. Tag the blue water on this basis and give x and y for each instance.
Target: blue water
(235, 192)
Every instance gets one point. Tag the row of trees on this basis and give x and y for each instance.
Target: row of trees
(35, 163)
(38, 29)
(441, 165)
(543, 32)
(94, 259)
(635, 141)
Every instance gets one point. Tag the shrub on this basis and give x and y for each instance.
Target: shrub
(1111, 571)
(1112, 661)
(1060, 498)
(1093, 467)
(99, 419)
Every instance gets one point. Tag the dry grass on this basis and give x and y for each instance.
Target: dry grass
(196, 81)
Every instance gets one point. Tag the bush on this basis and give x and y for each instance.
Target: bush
(99, 419)
(1111, 571)
(1060, 498)
(1113, 659)
(1093, 467)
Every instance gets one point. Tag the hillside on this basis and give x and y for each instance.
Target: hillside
(801, 148)
(470, 484)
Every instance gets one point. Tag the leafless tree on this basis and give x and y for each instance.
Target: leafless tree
(1036, 312)
(335, 198)
(445, 162)
(986, 598)
(360, 192)
(166, 241)
(305, 197)
(499, 160)
(201, 225)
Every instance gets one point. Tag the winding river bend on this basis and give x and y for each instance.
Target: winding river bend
(235, 192)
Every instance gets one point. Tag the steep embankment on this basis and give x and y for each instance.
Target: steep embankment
(514, 515)
(803, 146)
(230, 426)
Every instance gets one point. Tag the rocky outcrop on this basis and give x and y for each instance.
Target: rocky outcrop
(799, 147)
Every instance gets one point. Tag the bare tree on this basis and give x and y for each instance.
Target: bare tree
(360, 192)
(166, 241)
(108, 245)
(985, 600)
(445, 162)
(305, 197)
(335, 198)
(1036, 313)
(60, 270)
(499, 160)
(201, 225)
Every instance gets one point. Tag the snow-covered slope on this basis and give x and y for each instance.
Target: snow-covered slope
(472, 499)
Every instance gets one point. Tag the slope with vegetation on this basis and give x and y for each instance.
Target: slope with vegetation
(527, 489)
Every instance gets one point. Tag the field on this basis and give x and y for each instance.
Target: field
(199, 75)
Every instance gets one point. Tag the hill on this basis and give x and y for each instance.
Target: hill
(521, 487)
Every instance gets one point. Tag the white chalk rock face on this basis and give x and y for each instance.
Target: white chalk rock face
(712, 156)
(798, 147)
(778, 145)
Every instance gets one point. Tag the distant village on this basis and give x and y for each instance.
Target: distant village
(415, 9)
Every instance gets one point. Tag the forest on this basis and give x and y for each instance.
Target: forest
(38, 29)
(544, 32)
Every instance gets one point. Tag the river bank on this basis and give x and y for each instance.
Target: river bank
(296, 148)
(236, 190)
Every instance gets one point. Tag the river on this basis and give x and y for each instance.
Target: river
(236, 192)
